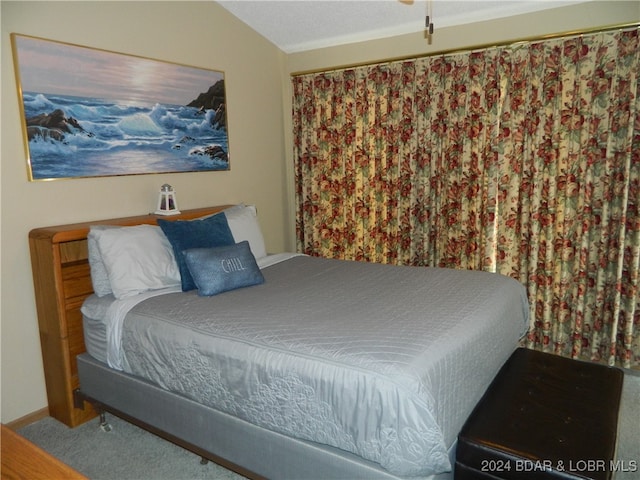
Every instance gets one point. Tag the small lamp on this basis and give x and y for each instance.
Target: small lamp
(167, 204)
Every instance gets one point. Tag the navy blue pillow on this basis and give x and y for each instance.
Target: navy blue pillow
(207, 232)
(220, 269)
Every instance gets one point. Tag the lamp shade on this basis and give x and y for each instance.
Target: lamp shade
(167, 203)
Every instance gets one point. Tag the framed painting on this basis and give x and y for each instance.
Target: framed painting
(91, 113)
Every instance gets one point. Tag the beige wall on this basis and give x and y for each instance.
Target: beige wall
(200, 34)
(258, 89)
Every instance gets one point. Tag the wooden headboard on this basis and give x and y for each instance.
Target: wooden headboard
(62, 281)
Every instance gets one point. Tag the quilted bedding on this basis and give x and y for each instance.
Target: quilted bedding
(382, 361)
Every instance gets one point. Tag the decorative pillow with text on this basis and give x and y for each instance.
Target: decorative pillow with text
(200, 233)
(220, 269)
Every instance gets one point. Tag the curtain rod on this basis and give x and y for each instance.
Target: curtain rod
(573, 33)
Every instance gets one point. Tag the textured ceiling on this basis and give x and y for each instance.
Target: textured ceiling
(298, 25)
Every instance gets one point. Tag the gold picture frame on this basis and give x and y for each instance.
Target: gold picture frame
(88, 112)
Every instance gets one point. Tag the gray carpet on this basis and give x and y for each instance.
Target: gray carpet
(128, 452)
(629, 428)
(125, 453)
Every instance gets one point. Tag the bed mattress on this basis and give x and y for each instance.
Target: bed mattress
(382, 361)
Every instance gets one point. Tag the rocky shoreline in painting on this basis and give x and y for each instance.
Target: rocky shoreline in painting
(73, 129)
(52, 126)
(213, 99)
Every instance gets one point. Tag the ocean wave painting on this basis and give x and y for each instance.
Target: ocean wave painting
(91, 113)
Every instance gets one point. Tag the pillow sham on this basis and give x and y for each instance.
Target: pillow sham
(183, 235)
(137, 259)
(220, 269)
(243, 222)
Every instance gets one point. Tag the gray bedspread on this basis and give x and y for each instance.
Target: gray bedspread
(382, 361)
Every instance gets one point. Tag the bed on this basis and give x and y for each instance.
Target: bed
(311, 368)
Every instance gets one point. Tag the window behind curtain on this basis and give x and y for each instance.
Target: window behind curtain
(522, 159)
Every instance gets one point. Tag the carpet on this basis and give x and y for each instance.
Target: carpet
(124, 453)
(130, 453)
(628, 454)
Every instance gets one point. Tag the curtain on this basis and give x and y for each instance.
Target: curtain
(522, 160)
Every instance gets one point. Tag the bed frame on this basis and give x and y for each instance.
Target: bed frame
(62, 282)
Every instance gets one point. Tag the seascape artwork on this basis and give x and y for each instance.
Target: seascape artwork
(90, 113)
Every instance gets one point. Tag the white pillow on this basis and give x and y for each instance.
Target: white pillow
(243, 223)
(99, 275)
(137, 259)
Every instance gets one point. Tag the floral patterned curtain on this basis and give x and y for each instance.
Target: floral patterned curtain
(522, 160)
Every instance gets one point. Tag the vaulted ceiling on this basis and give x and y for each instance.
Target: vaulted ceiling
(298, 25)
